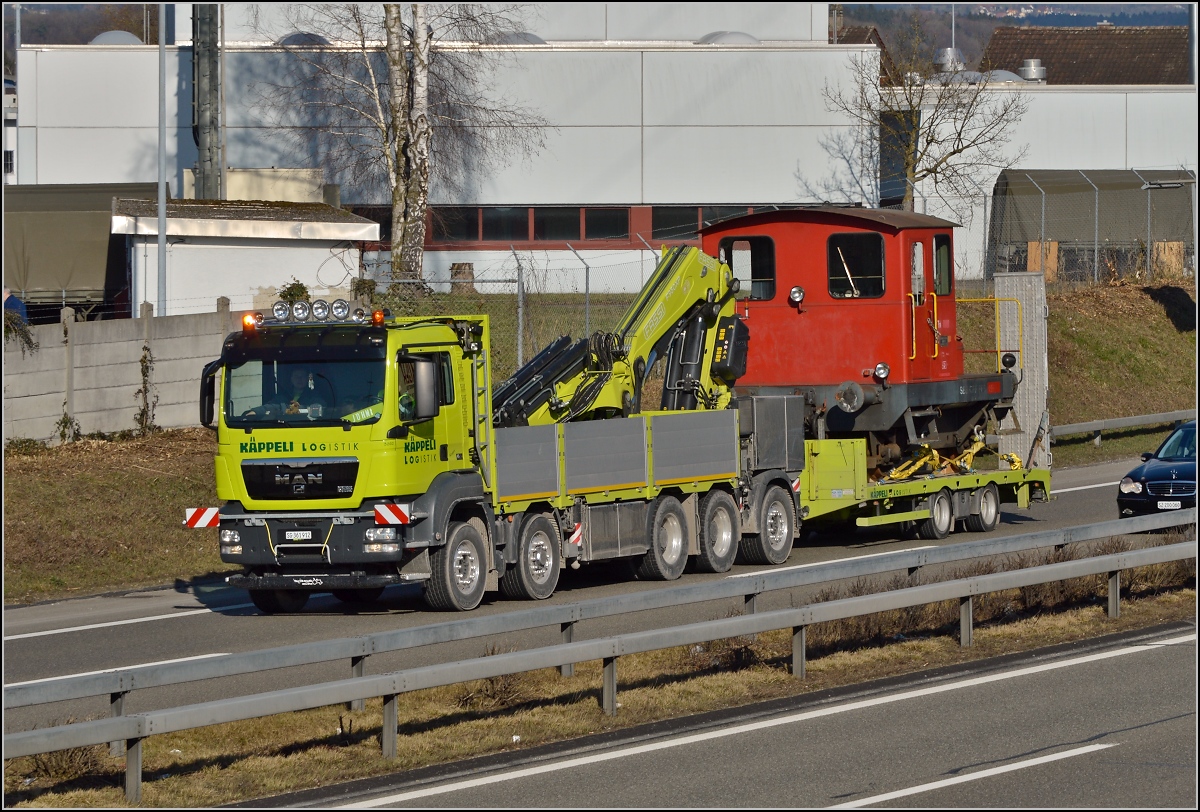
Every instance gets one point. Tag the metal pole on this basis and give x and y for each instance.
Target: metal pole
(520, 309)
(162, 159)
(568, 635)
(1042, 237)
(587, 292)
(1096, 235)
(224, 187)
(1114, 594)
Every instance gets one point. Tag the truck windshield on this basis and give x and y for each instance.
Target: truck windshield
(302, 376)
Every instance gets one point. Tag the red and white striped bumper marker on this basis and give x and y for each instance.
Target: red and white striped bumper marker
(201, 517)
(392, 514)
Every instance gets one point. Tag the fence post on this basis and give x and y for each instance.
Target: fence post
(387, 736)
(133, 771)
(116, 707)
(1114, 594)
(965, 607)
(751, 604)
(357, 669)
(587, 292)
(568, 635)
(799, 645)
(67, 317)
(1096, 234)
(609, 692)
(520, 309)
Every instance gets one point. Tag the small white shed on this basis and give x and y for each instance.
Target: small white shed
(241, 249)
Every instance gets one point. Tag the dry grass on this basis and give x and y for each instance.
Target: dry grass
(325, 746)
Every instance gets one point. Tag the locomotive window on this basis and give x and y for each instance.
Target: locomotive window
(943, 269)
(856, 266)
(752, 260)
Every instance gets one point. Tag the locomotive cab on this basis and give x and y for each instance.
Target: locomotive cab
(853, 310)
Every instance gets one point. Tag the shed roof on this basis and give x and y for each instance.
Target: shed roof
(263, 219)
(1101, 55)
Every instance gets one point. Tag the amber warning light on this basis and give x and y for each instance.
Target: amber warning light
(377, 317)
(249, 322)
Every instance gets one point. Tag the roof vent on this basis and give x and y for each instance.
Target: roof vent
(1104, 24)
(116, 38)
(727, 38)
(948, 60)
(1032, 70)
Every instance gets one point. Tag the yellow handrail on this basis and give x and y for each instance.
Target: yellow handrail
(1020, 327)
(936, 344)
(913, 301)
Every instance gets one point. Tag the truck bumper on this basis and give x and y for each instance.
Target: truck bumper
(322, 582)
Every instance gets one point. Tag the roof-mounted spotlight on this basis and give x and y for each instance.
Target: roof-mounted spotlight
(301, 310)
(280, 311)
(340, 309)
(320, 310)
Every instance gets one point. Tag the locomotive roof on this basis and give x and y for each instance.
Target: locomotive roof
(888, 219)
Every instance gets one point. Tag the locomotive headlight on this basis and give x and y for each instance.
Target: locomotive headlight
(796, 296)
(1129, 486)
(280, 311)
(320, 310)
(300, 311)
(340, 309)
(882, 371)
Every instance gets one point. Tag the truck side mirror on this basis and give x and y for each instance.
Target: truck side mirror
(208, 393)
(426, 384)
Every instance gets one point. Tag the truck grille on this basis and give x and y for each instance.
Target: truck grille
(300, 479)
(1171, 488)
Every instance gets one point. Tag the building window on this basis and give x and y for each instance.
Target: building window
(856, 266)
(455, 223)
(606, 224)
(752, 260)
(9, 163)
(674, 222)
(506, 223)
(559, 223)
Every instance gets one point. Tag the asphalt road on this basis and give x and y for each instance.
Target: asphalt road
(1103, 724)
(153, 626)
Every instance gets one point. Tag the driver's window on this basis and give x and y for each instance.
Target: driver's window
(407, 385)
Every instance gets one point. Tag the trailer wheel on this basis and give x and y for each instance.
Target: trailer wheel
(777, 529)
(720, 530)
(358, 595)
(459, 570)
(275, 601)
(534, 576)
(941, 517)
(988, 517)
(667, 556)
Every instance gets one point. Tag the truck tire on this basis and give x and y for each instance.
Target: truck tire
(988, 517)
(459, 571)
(941, 517)
(534, 575)
(275, 601)
(720, 532)
(667, 536)
(358, 595)
(777, 529)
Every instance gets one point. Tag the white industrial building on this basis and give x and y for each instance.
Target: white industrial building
(661, 115)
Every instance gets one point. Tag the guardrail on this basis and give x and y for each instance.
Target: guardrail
(1097, 426)
(135, 728)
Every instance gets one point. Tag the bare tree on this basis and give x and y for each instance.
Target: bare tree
(391, 99)
(914, 123)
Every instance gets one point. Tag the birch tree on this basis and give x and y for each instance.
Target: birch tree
(391, 99)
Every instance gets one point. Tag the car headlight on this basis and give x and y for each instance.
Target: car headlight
(1129, 486)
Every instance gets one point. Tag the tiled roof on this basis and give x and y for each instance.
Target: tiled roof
(1103, 55)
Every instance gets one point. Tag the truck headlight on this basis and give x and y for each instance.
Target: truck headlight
(391, 547)
(230, 536)
(381, 534)
(1129, 486)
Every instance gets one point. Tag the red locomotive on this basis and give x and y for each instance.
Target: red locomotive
(853, 310)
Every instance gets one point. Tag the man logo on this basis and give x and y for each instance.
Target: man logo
(313, 478)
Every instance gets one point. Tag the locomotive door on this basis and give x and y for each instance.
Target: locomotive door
(922, 346)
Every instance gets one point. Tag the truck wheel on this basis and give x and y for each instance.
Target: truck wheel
(720, 530)
(459, 570)
(358, 595)
(274, 601)
(988, 517)
(941, 518)
(667, 556)
(534, 576)
(777, 529)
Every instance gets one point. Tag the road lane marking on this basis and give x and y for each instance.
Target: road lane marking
(127, 622)
(962, 779)
(1057, 491)
(834, 561)
(118, 668)
(751, 727)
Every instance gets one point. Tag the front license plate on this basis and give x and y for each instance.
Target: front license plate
(300, 535)
(1170, 505)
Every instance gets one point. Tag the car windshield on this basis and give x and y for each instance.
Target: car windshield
(1179, 446)
(300, 376)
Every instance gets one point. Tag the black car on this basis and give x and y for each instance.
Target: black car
(1166, 479)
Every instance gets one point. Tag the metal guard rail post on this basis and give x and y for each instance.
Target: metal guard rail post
(746, 587)
(133, 729)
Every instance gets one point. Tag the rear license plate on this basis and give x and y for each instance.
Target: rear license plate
(1172, 504)
(300, 535)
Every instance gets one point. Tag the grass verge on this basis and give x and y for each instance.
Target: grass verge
(325, 746)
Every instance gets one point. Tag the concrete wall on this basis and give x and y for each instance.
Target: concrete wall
(94, 367)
